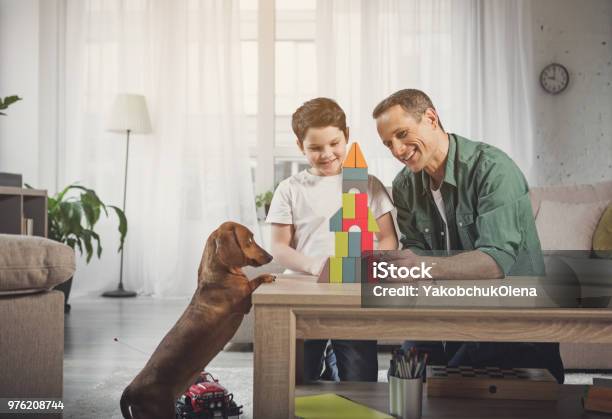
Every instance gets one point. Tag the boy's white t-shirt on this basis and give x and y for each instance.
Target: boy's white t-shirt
(308, 202)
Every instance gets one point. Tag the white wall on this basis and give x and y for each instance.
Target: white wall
(574, 128)
(19, 69)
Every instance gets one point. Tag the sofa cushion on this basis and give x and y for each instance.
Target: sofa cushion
(601, 191)
(563, 226)
(602, 239)
(30, 263)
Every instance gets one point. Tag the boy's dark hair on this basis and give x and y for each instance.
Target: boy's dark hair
(413, 101)
(318, 113)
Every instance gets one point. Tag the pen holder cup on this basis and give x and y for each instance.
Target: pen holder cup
(405, 397)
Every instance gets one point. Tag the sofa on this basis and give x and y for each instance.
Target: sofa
(32, 315)
(544, 200)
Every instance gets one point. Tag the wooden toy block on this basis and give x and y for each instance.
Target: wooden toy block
(361, 205)
(354, 243)
(335, 270)
(362, 223)
(335, 222)
(348, 205)
(367, 241)
(359, 185)
(349, 161)
(359, 159)
(358, 269)
(350, 173)
(372, 223)
(341, 243)
(324, 275)
(348, 270)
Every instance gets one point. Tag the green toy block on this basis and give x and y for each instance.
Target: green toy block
(335, 270)
(341, 243)
(348, 270)
(348, 205)
(354, 247)
(358, 269)
(354, 174)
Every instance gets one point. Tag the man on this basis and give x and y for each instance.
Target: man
(457, 194)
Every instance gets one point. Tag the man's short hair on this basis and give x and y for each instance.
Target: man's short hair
(320, 112)
(413, 101)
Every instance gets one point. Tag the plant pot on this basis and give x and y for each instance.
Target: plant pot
(65, 288)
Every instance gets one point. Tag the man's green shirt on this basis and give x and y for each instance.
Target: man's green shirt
(486, 200)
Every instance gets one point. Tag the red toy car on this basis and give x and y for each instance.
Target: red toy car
(207, 399)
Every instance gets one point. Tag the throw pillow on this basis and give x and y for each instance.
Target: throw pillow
(564, 226)
(602, 239)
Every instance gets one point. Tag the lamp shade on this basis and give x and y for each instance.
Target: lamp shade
(129, 112)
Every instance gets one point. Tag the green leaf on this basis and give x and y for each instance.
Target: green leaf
(123, 226)
(8, 101)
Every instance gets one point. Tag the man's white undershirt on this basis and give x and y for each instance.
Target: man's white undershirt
(437, 196)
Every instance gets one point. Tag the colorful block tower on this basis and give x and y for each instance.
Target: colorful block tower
(353, 224)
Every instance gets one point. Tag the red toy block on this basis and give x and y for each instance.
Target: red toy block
(362, 223)
(367, 240)
(361, 206)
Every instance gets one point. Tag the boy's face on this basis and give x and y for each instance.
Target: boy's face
(324, 149)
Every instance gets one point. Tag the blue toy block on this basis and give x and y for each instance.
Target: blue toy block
(348, 270)
(335, 222)
(354, 174)
(354, 249)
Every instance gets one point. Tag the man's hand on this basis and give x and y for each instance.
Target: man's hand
(399, 258)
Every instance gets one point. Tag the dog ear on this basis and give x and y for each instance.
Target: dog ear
(228, 248)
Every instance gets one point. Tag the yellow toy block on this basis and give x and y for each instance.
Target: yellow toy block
(341, 243)
(348, 205)
(372, 224)
(335, 270)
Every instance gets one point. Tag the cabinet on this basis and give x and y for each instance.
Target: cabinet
(17, 205)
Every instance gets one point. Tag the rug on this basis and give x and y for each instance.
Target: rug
(102, 401)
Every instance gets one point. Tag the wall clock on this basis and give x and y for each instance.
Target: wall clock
(554, 78)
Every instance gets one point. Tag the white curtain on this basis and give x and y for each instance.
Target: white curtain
(472, 57)
(190, 174)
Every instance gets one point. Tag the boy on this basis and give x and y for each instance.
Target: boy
(300, 212)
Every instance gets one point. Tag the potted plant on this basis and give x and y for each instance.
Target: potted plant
(7, 101)
(263, 200)
(71, 220)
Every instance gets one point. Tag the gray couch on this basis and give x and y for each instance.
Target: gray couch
(32, 315)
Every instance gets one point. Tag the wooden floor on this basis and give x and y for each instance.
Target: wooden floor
(91, 354)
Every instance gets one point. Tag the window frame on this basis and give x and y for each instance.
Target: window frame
(266, 151)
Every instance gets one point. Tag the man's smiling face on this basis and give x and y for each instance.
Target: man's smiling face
(411, 142)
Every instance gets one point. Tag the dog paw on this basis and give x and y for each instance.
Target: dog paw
(269, 278)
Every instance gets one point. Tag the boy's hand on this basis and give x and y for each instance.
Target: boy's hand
(317, 265)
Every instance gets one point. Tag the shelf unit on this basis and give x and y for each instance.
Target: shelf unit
(17, 204)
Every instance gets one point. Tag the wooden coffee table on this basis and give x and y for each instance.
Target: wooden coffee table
(295, 308)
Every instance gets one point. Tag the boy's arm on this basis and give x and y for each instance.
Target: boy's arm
(289, 257)
(387, 239)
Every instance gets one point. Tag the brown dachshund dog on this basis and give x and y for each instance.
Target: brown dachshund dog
(210, 320)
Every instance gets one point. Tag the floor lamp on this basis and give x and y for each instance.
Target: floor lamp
(129, 115)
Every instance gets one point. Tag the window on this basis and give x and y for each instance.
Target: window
(278, 54)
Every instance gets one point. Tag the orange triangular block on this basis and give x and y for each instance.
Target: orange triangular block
(350, 157)
(359, 159)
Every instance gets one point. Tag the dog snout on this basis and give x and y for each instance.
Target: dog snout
(261, 258)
